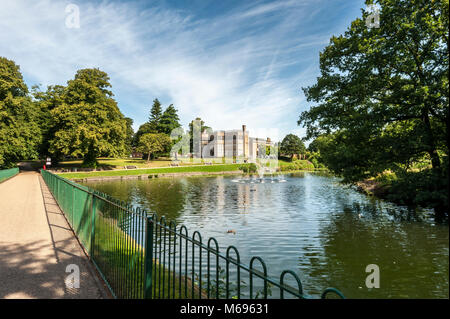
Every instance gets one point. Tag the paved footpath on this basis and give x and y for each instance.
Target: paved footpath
(37, 244)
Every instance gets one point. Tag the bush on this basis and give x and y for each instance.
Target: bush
(243, 168)
(304, 165)
(425, 188)
(252, 168)
(248, 168)
(297, 166)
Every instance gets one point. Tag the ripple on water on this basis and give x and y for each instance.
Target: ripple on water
(326, 233)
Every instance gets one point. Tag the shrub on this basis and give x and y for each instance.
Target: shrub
(252, 168)
(248, 168)
(304, 165)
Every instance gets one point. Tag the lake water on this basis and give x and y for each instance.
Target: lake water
(309, 223)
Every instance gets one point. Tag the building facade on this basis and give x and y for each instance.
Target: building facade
(231, 144)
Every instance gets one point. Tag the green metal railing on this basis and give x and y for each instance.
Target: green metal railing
(142, 256)
(8, 173)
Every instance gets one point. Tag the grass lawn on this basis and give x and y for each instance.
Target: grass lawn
(156, 170)
(120, 163)
(117, 163)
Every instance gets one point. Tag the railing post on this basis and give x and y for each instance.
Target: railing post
(73, 208)
(148, 258)
(91, 253)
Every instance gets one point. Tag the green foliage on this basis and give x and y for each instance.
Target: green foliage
(158, 122)
(248, 168)
(292, 145)
(88, 123)
(169, 120)
(150, 143)
(297, 166)
(414, 189)
(162, 170)
(46, 102)
(129, 136)
(155, 116)
(143, 129)
(20, 134)
(382, 96)
(314, 158)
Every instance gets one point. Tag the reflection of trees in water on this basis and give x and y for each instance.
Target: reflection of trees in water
(121, 190)
(341, 231)
(165, 196)
(409, 265)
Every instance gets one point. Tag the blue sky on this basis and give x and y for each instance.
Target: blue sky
(228, 62)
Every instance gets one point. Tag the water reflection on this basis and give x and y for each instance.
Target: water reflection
(310, 223)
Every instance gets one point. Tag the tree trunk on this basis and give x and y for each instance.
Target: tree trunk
(90, 159)
(148, 157)
(432, 151)
(440, 209)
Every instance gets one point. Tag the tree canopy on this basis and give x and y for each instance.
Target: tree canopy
(383, 92)
(155, 116)
(292, 145)
(169, 120)
(88, 122)
(151, 143)
(20, 134)
(159, 122)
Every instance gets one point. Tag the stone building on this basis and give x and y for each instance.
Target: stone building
(230, 144)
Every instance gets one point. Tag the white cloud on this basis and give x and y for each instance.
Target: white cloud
(230, 70)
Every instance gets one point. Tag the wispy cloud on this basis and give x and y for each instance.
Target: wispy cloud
(245, 65)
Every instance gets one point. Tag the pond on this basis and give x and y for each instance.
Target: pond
(309, 223)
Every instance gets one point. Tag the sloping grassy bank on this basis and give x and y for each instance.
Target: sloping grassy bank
(180, 169)
(284, 166)
(297, 165)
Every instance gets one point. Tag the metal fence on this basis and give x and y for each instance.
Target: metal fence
(142, 256)
(8, 173)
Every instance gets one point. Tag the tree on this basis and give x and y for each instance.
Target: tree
(291, 145)
(158, 122)
(20, 134)
(151, 143)
(88, 122)
(130, 135)
(46, 102)
(155, 116)
(143, 129)
(383, 92)
(169, 120)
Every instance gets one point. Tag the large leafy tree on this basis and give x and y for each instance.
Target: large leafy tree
(386, 84)
(383, 91)
(20, 134)
(151, 143)
(88, 123)
(143, 129)
(46, 102)
(291, 145)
